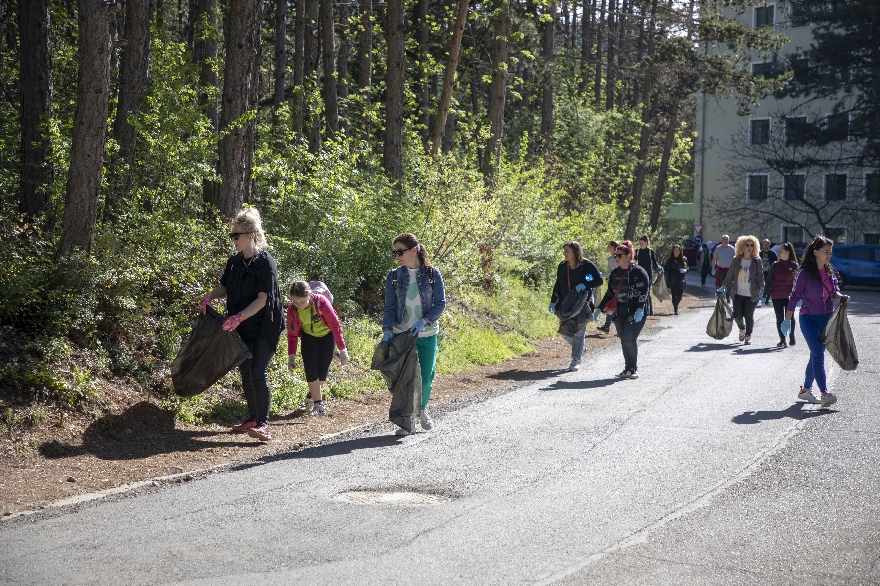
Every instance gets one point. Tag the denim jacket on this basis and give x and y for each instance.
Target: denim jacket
(433, 296)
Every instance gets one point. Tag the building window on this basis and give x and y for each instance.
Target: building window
(871, 237)
(837, 126)
(793, 187)
(793, 234)
(760, 131)
(764, 69)
(798, 15)
(797, 131)
(836, 235)
(872, 187)
(835, 187)
(758, 186)
(764, 15)
(801, 69)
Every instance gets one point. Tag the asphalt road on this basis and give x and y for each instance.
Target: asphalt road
(706, 470)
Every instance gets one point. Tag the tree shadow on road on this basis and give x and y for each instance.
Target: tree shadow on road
(744, 350)
(704, 347)
(796, 411)
(328, 450)
(527, 375)
(580, 384)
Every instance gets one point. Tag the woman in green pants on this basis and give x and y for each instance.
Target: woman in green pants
(414, 300)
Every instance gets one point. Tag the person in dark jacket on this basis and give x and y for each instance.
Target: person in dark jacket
(627, 297)
(647, 259)
(705, 263)
(675, 269)
(253, 303)
(575, 273)
(777, 288)
(815, 286)
(768, 257)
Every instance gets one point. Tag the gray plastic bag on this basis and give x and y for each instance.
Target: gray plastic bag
(661, 291)
(721, 323)
(837, 338)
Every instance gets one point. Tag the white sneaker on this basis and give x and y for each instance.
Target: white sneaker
(401, 432)
(425, 420)
(575, 365)
(742, 335)
(318, 409)
(632, 374)
(806, 394)
(828, 399)
(309, 403)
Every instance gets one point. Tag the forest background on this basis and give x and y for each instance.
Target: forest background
(131, 132)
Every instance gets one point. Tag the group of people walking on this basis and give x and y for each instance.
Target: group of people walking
(745, 273)
(414, 300)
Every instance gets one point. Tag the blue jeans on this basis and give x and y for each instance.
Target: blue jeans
(811, 327)
(577, 343)
(255, 379)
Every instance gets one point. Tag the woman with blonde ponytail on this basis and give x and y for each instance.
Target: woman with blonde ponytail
(253, 303)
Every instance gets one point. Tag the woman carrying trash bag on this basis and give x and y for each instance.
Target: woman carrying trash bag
(748, 274)
(578, 274)
(627, 300)
(311, 316)
(414, 300)
(647, 259)
(780, 280)
(815, 286)
(676, 269)
(253, 303)
(611, 248)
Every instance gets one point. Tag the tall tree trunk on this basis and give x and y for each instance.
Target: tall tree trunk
(299, 67)
(132, 82)
(420, 75)
(547, 47)
(328, 52)
(312, 57)
(240, 93)
(394, 83)
(342, 64)
(34, 27)
(566, 27)
(365, 62)
(89, 127)
(498, 85)
(669, 142)
(610, 56)
(586, 44)
(449, 77)
(280, 54)
(204, 54)
(597, 88)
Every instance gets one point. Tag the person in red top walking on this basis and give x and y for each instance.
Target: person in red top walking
(311, 316)
(780, 279)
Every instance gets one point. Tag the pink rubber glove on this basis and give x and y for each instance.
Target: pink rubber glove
(205, 302)
(232, 322)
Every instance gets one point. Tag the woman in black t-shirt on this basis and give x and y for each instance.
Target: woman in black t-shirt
(647, 259)
(578, 274)
(253, 303)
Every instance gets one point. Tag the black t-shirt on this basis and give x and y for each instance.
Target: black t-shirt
(242, 286)
(568, 278)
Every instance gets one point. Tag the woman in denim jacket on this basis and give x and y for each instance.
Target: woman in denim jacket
(414, 300)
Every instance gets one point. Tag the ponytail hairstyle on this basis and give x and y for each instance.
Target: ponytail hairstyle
(789, 247)
(646, 239)
(628, 249)
(808, 262)
(410, 241)
(575, 247)
(248, 221)
(612, 244)
(300, 289)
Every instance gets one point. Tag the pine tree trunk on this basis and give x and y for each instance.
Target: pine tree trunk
(132, 82)
(312, 57)
(365, 62)
(299, 67)
(610, 56)
(328, 53)
(660, 189)
(394, 83)
(203, 17)
(240, 93)
(34, 27)
(597, 87)
(548, 47)
(342, 64)
(89, 127)
(449, 77)
(280, 54)
(498, 85)
(420, 79)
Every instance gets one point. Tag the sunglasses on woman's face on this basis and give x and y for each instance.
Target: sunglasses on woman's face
(399, 251)
(619, 255)
(235, 235)
(750, 245)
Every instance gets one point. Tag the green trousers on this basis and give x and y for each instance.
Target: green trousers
(427, 348)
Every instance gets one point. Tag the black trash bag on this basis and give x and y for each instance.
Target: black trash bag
(837, 338)
(208, 354)
(721, 323)
(574, 312)
(398, 362)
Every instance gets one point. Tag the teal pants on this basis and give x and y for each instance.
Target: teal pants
(427, 348)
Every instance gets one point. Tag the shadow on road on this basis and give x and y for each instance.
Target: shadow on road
(703, 347)
(756, 350)
(863, 302)
(796, 411)
(580, 384)
(327, 450)
(527, 375)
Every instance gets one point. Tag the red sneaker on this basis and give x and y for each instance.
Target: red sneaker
(261, 432)
(244, 425)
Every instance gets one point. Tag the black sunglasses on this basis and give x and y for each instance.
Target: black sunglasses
(620, 255)
(400, 251)
(750, 245)
(235, 235)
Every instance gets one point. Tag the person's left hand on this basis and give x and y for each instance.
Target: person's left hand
(639, 315)
(232, 322)
(205, 302)
(343, 357)
(596, 315)
(418, 327)
(580, 287)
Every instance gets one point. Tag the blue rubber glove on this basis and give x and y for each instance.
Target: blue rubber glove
(720, 290)
(552, 308)
(639, 315)
(386, 336)
(589, 278)
(785, 327)
(580, 287)
(596, 315)
(418, 327)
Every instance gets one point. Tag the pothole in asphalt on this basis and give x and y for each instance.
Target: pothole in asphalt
(395, 498)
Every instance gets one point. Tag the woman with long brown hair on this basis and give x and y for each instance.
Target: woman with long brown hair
(578, 274)
(676, 269)
(780, 280)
